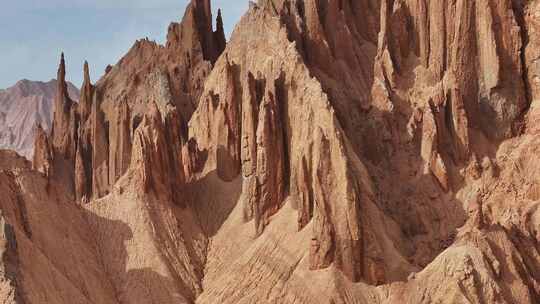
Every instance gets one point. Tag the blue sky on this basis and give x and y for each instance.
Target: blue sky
(33, 33)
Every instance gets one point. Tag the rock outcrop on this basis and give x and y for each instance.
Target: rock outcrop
(45, 237)
(42, 160)
(63, 132)
(270, 167)
(308, 145)
(371, 151)
(435, 130)
(471, 49)
(92, 144)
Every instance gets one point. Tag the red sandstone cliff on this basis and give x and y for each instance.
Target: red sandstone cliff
(331, 152)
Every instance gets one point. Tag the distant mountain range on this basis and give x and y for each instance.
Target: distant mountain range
(24, 105)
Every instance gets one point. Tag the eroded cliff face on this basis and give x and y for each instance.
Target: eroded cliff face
(92, 141)
(330, 152)
(44, 236)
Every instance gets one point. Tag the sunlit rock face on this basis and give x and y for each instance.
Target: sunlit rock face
(330, 152)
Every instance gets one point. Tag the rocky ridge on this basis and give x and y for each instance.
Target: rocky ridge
(373, 151)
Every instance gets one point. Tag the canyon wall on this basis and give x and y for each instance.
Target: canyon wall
(373, 151)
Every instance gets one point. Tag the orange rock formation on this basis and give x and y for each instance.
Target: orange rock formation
(369, 151)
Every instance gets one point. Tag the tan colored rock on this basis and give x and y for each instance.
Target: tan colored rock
(63, 142)
(87, 92)
(270, 172)
(253, 96)
(81, 178)
(103, 125)
(9, 291)
(120, 142)
(305, 193)
(100, 152)
(149, 153)
(475, 46)
(301, 117)
(47, 239)
(42, 160)
(219, 124)
(193, 159)
(529, 20)
(83, 158)
(325, 155)
(434, 163)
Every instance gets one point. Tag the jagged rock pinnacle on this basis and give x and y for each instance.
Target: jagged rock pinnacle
(62, 69)
(219, 20)
(86, 72)
(87, 89)
(219, 34)
(389, 162)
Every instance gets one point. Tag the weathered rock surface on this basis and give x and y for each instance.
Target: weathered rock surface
(92, 144)
(46, 237)
(331, 152)
(386, 179)
(65, 117)
(42, 160)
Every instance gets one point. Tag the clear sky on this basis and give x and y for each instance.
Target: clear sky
(33, 33)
